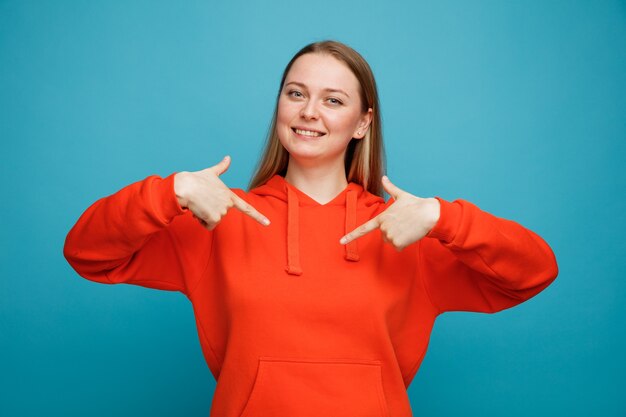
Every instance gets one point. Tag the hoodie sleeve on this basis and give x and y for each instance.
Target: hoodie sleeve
(139, 235)
(474, 261)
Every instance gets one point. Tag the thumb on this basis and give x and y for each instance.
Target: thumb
(221, 166)
(391, 189)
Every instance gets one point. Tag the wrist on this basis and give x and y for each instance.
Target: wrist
(180, 181)
(434, 211)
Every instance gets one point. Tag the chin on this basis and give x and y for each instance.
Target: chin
(304, 154)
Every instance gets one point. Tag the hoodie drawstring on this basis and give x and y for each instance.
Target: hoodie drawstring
(293, 230)
(293, 234)
(352, 250)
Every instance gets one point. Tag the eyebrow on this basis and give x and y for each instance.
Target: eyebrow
(331, 90)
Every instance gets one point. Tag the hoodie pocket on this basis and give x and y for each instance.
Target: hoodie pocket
(317, 387)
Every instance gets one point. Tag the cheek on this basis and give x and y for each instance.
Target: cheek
(342, 122)
(285, 112)
(283, 120)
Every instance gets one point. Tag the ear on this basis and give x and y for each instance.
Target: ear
(364, 124)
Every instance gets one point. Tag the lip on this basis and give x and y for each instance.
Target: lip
(293, 129)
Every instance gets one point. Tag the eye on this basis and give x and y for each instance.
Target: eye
(295, 93)
(335, 101)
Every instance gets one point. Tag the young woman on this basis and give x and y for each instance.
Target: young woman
(312, 295)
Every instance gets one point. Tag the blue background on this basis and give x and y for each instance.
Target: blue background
(517, 106)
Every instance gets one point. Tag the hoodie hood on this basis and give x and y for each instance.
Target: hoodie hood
(352, 197)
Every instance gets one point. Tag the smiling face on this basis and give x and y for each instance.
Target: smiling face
(320, 110)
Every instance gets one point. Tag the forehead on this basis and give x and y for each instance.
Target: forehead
(321, 71)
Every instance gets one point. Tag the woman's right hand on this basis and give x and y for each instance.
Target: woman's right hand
(208, 198)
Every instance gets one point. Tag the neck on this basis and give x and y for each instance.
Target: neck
(320, 182)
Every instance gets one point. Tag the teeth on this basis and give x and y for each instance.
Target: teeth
(307, 133)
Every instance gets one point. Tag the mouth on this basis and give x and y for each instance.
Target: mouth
(307, 132)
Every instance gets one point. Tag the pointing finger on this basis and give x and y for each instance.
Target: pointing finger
(391, 189)
(246, 208)
(221, 166)
(362, 230)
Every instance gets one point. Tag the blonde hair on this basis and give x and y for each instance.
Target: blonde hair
(365, 158)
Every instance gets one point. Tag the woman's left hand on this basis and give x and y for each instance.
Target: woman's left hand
(405, 221)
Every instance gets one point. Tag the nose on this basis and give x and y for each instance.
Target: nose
(309, 111)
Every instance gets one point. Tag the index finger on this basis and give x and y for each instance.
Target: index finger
(246, 208)
(360, 231)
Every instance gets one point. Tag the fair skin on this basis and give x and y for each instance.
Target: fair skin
(320, 97)
(319, 113)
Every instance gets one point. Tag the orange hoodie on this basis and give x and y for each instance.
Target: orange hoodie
(292, 323)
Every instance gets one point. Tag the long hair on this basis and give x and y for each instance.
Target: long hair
(365, 158)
